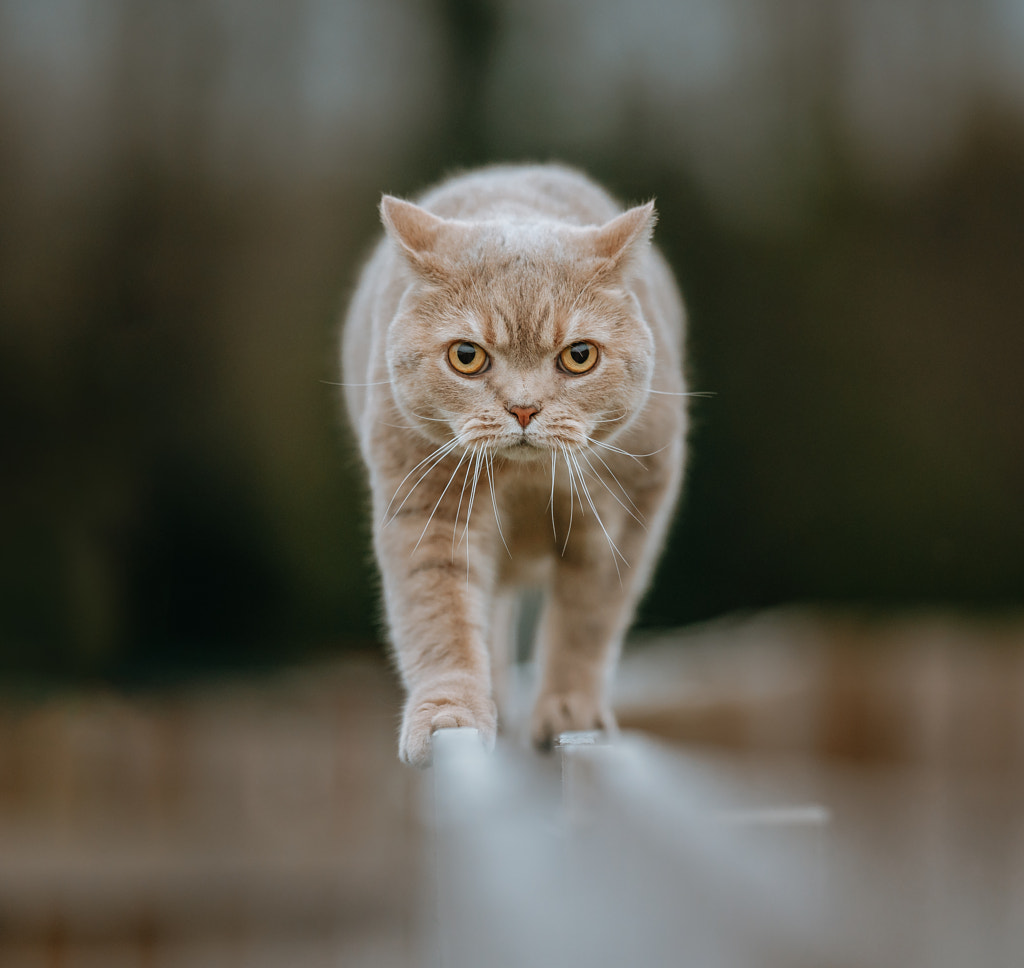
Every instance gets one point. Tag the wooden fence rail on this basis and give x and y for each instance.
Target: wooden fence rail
(634, 853)
(616, 854)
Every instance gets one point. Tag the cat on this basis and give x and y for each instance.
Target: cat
(512, 364)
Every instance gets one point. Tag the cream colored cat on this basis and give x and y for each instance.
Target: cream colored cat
(512, 363)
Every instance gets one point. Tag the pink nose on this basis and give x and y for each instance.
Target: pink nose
(523, 414)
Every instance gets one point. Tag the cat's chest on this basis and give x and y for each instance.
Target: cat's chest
(525, 510)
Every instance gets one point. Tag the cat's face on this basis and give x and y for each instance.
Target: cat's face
(519, 338)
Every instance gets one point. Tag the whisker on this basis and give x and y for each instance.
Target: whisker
(332, 383)
(472, 497)
(568, 467)
(462, 494)
(445, 411)
(494, 502)
(469, 511)
(440, 454)
(423, 416)
(437, 504)
(639, 520)
(691, 393)
(626, 453)
(608, 537)
(615, 478)
(551, 500)
(617, 450)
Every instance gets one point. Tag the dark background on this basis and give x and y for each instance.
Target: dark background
(187, 190)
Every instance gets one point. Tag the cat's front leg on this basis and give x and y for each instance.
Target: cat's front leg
(444, 704)
(437, 605)
(591, 602)
(438, 635)
(580, 636)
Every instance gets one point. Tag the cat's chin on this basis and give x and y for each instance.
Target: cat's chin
(523, 449)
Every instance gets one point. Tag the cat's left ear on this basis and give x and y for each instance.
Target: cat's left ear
(623, 239)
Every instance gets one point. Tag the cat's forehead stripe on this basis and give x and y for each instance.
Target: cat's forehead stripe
(521, 321)
(474, 328)
(526, 321)
(559, 327)
(576, 328)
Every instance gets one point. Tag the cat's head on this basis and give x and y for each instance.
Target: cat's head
(519, 335)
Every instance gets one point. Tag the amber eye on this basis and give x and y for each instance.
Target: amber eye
(467, 358)
(578, 358)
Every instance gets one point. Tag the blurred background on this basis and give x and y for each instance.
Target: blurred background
(188, 190)
(197, 725)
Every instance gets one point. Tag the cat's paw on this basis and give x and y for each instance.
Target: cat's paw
(426, 713)
(560, 712)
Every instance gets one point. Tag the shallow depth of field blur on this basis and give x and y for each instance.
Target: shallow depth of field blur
(188, 189)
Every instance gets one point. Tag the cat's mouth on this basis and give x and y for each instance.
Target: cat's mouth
(523, 448)
(526, 446)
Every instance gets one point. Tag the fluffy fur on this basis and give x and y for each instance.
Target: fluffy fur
(524, 473)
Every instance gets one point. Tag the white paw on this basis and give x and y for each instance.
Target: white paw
(426, 713)
(559, 712)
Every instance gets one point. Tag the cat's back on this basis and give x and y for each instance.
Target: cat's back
(514, 192)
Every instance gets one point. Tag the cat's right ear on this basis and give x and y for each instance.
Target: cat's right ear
(415, 230)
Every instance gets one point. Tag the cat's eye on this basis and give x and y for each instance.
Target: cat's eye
(467, 358)
(578, 357)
